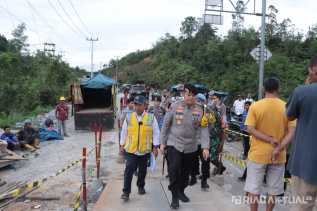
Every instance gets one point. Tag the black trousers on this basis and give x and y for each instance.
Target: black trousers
(205, 165)
(179, 167)
(195, 170)
(134, 162)
(246, 144)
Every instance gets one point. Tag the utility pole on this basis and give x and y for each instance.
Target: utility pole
(117, 68)
(261, 66)
(49, 49)
(92, 54)
(213, 15)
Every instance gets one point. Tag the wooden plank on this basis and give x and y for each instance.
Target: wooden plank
(10, 159)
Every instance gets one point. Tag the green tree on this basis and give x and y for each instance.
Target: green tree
(189, 27)
(18, 43)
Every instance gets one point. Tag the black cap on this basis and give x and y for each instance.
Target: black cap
(191, 88)
(140, 100)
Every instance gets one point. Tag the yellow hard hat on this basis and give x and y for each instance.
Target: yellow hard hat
(62, 98)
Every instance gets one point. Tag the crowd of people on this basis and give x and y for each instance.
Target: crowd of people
(29, 137)
(189, 129)
(186, 126)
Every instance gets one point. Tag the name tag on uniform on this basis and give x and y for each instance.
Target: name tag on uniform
(196, 117)
(179, 115)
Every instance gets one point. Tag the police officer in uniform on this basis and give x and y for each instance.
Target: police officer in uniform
(139, 137)
(157, 109)
(179, 135)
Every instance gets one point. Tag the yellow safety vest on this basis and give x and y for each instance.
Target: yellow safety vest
(139, 135)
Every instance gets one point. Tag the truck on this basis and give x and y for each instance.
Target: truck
(93, 102)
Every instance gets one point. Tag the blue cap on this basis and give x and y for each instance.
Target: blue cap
(28, 121)
(140, 100)
(201, 97)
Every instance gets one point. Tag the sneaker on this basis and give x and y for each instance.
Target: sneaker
(141, 191)
(125, 197)
(175, 203)
(183, 197)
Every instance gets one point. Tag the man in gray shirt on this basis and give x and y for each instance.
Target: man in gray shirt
(179, 135)
(303, 107)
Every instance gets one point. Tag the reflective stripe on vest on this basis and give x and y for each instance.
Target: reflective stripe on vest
(139, 136)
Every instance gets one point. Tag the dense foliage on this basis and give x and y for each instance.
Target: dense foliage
(29, 82)
(199, 55)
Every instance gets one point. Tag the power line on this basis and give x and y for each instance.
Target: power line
(70, 18)
(40, 15)
(12, 21)
(79, 18)
(15, 17)
(62, 18)
(35, 24)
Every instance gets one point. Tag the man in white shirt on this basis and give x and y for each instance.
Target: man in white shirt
(238, 106)
(140, 132)
(249, 99)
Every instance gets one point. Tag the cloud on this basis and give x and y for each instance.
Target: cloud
(123, 26)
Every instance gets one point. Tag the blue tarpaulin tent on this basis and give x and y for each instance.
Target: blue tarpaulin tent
(100, 81)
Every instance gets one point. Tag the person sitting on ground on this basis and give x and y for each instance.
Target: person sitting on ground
(10, 138)
(49, 133)
(3, 148)
(29, 137)
(49, 124)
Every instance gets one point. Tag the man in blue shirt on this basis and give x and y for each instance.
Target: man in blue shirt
(10, 138)
(303, 106)
(246, 139)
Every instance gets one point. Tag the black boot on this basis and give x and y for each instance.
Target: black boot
(243, 177)
(192, 181)
(141, 191)
(125, 197)
(175, 202)
(204, 184)
(183, 197)
(222, 169)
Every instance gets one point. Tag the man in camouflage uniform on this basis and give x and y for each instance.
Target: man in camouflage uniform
(217, 136)
(157, 109)
(179, 135)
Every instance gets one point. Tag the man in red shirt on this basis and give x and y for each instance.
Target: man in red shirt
(61, 113)
(124, 100)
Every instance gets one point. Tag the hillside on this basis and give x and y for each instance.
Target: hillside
(30, 83)
(199, 55)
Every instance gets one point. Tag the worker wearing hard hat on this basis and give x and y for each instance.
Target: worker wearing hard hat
(61, 113)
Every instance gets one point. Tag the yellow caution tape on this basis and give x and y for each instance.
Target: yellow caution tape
(29, 186)
(242, 163)
(77, 200)
(236, 133)
(235, 160)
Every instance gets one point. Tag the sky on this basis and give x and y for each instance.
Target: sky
(122, 26)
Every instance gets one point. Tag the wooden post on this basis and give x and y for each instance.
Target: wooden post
(96, 141)
(99, 151)
(84, 193)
